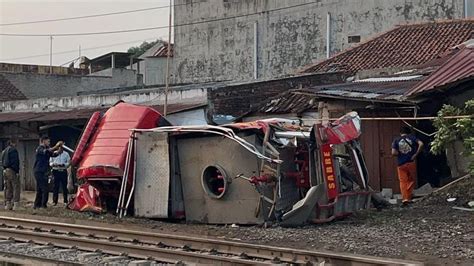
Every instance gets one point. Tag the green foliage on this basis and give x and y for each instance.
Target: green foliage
(450, 130)
(142, 48)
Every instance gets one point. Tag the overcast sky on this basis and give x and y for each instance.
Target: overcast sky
(12, 11)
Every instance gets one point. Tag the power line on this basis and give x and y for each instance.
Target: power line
(153, 28)
(94, 15)
(86, 16)
(86, 49)
(71, 61)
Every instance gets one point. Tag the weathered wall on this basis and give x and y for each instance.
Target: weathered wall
(287, 39)
(41, 85)
(146, 97)
(154, 71)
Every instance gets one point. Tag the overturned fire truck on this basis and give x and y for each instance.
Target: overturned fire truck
(242, 173)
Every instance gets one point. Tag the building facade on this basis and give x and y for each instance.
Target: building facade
(217, 40)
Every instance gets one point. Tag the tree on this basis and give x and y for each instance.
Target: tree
(142, 48)
(450, 130)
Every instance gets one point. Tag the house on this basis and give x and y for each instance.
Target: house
(251, 40)
(452, 83)
(389, 73)
(37, 81)
(154, 62)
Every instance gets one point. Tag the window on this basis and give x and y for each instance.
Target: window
(354, 39)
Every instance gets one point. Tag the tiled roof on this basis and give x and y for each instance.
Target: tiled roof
(458, 68)
(406, 45)
(8, 92)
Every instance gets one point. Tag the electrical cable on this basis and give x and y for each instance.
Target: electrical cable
(85, 49)
(152, 28)
(88, 16)
(70, 61)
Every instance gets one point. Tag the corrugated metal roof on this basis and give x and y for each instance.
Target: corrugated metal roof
(288, 102)
(297, 101)
(80, 113)
(370, 90)
(158, 50)
(388, 79)
(459, 67)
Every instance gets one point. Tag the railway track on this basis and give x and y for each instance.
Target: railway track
(167, 248)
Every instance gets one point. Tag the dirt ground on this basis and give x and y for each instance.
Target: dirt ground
(430, 230)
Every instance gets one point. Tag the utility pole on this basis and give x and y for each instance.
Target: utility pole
(79, 51)
(51, 54)
(165, 109)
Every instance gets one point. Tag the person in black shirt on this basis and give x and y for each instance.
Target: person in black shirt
(11, 168)
(43, 153)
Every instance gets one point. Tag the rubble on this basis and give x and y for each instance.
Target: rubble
(461, 189)
(424, 190)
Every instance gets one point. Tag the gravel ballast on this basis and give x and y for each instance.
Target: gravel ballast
(430, 230)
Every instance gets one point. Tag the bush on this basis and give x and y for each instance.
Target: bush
(450, 130)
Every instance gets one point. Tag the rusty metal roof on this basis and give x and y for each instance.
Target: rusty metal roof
(372, 91)
(79, 114)
(158, 50)
(299, 100)
(289, 102)
(406, 45)
(458, 68)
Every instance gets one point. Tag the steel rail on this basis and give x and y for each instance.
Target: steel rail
(161, 254)
(25, 259)
(220, 246)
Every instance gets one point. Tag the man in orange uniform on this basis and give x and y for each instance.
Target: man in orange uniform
(406, 148)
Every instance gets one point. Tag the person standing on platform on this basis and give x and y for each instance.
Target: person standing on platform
(43, 153)
(59, 164)
(11, 169)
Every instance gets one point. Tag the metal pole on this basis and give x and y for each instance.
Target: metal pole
(255, 50)
(165, 109)
(328, 35)
(134, 173)
(50, 54)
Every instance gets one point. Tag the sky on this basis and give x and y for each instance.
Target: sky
(24, 50)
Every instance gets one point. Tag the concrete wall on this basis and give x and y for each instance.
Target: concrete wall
(155, 70)
(188, 118)
(287, 39)
(40, 85)
(146, 97)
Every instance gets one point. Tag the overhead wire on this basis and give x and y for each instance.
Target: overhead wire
(154, 28)
(88, 16)
(84, 49)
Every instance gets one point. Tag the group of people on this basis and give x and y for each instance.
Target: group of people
(46, 158)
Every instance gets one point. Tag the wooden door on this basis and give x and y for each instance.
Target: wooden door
(26, 150)
(370, 147)
(389, 130)
(376, 141)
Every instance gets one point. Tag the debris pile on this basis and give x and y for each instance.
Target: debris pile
(458, 193)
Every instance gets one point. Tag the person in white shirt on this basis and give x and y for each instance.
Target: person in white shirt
(59, 165)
